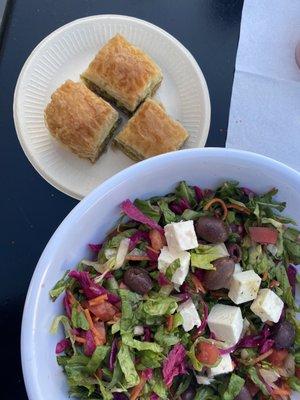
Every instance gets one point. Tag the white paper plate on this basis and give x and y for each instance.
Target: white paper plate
(63, 55)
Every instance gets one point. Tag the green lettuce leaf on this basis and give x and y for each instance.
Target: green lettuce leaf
(234, 387)
(282, 278)
(160, 305)
(168, 214)
(150, 359)
(130, 301)
(172, 268)
(97, 357)
(77, 373)
(125, 358)
(294, 383)
(258, 382)
(183, 385)
(148, 209)
(117, 376)
(138, 345)
(204, 254)
(158, 386)
(188, 215)
(61, 286)
(78, 318)
(184, 191)
(206, 393)
(106, 394)
(192, 356)
(165, 338)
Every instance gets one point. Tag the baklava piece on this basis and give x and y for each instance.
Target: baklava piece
(122, 73)
(80, 120)
(150, 132)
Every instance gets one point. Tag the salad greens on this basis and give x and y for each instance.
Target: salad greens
(130, 331)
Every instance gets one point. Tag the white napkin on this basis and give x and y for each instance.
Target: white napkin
(265, 104)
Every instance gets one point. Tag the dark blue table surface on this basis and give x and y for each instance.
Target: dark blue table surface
(31, 208)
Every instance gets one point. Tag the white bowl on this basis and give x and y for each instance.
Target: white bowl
(97, 213)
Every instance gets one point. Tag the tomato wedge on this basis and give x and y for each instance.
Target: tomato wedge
(263, 235)
(278, 357)
(104, 311)
(207, 353)
(100, 328)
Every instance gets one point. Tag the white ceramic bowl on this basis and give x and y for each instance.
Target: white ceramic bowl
(97, 213)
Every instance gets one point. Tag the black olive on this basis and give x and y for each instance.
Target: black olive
(211, 229)
(284, 335)
(221, 276)
(138, 280)
(244, 394)
(189, 394)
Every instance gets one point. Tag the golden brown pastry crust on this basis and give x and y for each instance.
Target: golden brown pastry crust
(124, 72)
(151, 132)
(79, 119)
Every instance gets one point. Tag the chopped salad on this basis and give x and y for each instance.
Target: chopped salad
(190, 296)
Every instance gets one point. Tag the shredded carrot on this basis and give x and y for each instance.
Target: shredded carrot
(242, 209)
(98, 300)
(152, 249)
(265, 276)
(137, 258)
(198, 285)
(71, 298)
(170, 322)
(79, 339)
(92, 327)
(136, 391)
(281, 391)
(262, 356)
(217, 201)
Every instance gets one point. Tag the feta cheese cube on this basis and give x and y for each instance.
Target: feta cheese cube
(189, 315)
(166, 258)
(244, 286)
(181, 236)
(224, 367)
(226, 322)
(237, 268)
(267, 305)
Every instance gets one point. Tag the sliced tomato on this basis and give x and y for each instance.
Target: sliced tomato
(263, 235)
(100, 328)
(278, 357)
(207, 353)
(104, 311)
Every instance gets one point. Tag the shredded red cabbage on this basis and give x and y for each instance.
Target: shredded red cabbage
(198, 193)
(174, 364)
(92, 289)
(228, 350)
(199, 273)
(255, 340)
(62, 346)
(113, 354)
(134, 213)
(184, 204)
(175, 208)
(153, 255)
(95, 247)
(89, 345)
(67, 305)
(163, 280)
(267, 345)
(147, 374)
(137, 237)
(248, 192)
(119, 396)
(147, 334)
(182, 296)
(154, 396)
(237, 228)
(292, 276)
